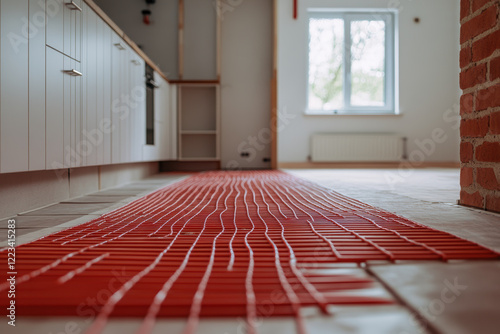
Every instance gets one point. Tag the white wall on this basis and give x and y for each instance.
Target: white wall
(158, 40)
(428, 73)
(246, 72)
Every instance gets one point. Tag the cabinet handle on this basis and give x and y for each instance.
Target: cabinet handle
(73, 73)
(153, 83)
(73, 6)
(136, 62)
(119, 46)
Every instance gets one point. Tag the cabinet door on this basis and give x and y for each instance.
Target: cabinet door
(14, 87)
(36, 85)
(91, 82)
(55, 110)
(162, 118)
(55, 24)
(138, 98)
(125, 123)
(63, 91)
(75, 154)
(99, 85)
(117, 110)
(73, 36)
(106, 125)
(64, 26)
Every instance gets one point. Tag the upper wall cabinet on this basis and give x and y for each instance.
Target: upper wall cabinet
(64, 31)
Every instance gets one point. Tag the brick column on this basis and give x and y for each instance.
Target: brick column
(480, 104)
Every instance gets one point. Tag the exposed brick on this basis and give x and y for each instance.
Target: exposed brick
(479, 24)
(474, 199)
(466, 152)
(477, 127)
(493, 203)
(473, 76)
(489, 97)
(464, 8)
(465, 56)
(494, 68)
(466, 104)
(466, 177)
(484, 47)
(488, 152)
(495, 123)
(487, 179)
(476, 4)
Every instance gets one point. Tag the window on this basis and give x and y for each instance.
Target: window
(351, 63)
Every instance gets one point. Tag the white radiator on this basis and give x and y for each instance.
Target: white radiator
(352, 147)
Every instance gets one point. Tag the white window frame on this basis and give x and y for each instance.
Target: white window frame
(390, 82)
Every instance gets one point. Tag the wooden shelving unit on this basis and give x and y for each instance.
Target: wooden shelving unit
(199, 125)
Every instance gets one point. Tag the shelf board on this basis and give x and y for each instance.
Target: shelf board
(195, 82)
(198, 132)
(199, 159)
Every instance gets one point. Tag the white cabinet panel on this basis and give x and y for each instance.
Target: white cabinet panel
(14, 87)
(36, 85)
(83, 110)
(163, 118)
(64, 26)
(106, 125)
(91, 89)
(116, 111)
(72, 26)
(55, 24)
(75, 155)
(97, 135)
(138, 99)
(55, 110)
(124, 99)
(63, 91)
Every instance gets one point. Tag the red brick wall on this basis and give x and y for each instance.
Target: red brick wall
(480, 103)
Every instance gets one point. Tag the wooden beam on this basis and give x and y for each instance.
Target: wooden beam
(181, 39)
(274, 91)
(218, 39)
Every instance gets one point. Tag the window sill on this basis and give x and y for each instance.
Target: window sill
(354, 114)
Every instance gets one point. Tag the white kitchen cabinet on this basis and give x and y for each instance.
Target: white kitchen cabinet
(166, 119)
(91, 90)
(64, 26)
(14, 115)
(99, 85)
(115, 95)
(125, 103)
(138, 106)
(72, 91)
(106, 125)
(165, 123)
(63, 78)
(36, 85)
(55, 110)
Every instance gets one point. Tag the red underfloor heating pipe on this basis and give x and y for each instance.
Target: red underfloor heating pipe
(232, 244)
